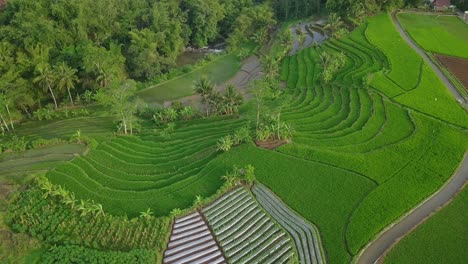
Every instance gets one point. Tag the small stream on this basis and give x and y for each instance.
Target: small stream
(191, 55)
(313, 32)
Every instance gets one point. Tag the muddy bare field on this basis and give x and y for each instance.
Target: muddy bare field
(457, 66)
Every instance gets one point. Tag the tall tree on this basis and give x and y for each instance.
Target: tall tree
(203, 18)
(120, 100)
(47, 79)
(204, 88)
(66, 78)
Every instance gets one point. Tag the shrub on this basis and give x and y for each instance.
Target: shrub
(225, 143)
(14, 144)
(241, 136)
(40, 143)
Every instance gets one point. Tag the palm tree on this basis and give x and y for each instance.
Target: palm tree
(47, 79)
(231, 100)
(66, 78)
(334, 23)
(98, 210)
(204, 88)
(147, 213)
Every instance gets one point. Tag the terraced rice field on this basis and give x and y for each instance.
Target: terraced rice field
(245, 232)
(41, 160)
(128, 175)
(385, 119)
(95, 126)
(305, 235)
(369, 146)
(192, 242)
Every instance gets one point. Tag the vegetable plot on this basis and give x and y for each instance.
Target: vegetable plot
(192, 242)
(246, 233)
(305, 235)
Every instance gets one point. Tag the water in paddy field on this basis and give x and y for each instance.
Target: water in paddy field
(313, 32)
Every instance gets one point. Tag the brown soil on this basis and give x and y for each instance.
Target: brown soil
(457, 66)
(271, 144)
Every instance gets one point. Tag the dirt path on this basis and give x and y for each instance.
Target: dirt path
(386, 240)
(452, 89)
(375, 251)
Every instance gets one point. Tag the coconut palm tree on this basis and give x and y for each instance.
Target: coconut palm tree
(47, 79)
(66, 78)
(147, 214)
(204, 88)
(231, 100)
(334, 23)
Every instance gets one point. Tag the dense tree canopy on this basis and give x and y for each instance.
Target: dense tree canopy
(51, 51)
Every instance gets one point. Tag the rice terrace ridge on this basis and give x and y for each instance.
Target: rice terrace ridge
(233, 131)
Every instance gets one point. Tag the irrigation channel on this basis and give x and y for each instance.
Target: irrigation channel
(375, 251)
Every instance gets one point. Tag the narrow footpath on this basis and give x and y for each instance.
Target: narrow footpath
(452, 89)
(375, 251)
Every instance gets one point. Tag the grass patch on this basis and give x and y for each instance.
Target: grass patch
(439, 34)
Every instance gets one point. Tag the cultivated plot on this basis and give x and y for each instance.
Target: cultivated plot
(246, 233)
(192, 242)
(305, 235)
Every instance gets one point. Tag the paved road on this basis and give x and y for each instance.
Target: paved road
(385, 241)
(374, 252)
(423, 54)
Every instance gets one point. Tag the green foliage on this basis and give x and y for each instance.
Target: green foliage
(225, 143)
(40, 143)
(238, 175)
(82, 255)
(118, 98)
(51, 220)
(272, 128)
(203, 16)
(78, 138)
(242, 135)
(15, 143)
(331, 63)
(287, 10)
(252, 23)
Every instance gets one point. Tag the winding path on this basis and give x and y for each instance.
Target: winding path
(389, 237)
(423, 54)
(376, 249)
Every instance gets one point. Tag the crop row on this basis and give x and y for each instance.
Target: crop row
(246, 233)
(305, 236)
(192, 242)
